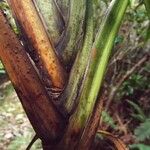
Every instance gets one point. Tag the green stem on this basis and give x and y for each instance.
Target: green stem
(73, 32)
(99, 59)
(78, 73)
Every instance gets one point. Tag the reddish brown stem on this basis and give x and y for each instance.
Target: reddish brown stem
(42, 50)
(44, 117)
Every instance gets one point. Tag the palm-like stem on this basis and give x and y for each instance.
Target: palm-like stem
(28, 86)
(98, 62)
(42, 50)
(73, 32)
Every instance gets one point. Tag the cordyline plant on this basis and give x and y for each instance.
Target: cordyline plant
(58, 65)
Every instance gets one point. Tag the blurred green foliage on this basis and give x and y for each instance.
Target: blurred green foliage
(138, 113)
(106, 118)
(139, 147)
(135, 82)
(142, 132)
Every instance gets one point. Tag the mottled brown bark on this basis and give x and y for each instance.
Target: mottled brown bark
(45, 119)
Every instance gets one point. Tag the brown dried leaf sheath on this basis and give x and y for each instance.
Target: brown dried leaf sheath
(29, 20)
(43, 116)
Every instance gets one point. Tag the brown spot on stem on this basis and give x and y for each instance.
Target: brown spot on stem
(94, 53)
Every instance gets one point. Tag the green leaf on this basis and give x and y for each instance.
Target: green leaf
(1, 65)
(108, 119)
(142, 132)
(139, 112)
(2, 72)
(139, 147)
(119, 39)
(147, 5)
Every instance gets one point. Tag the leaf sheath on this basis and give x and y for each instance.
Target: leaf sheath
(44, 55)
(45, 119)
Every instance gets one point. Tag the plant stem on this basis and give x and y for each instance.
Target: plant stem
(41, 51)
(51, 18)
(47, 122)
(97, 67)
(78, 72)
(68, 45)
